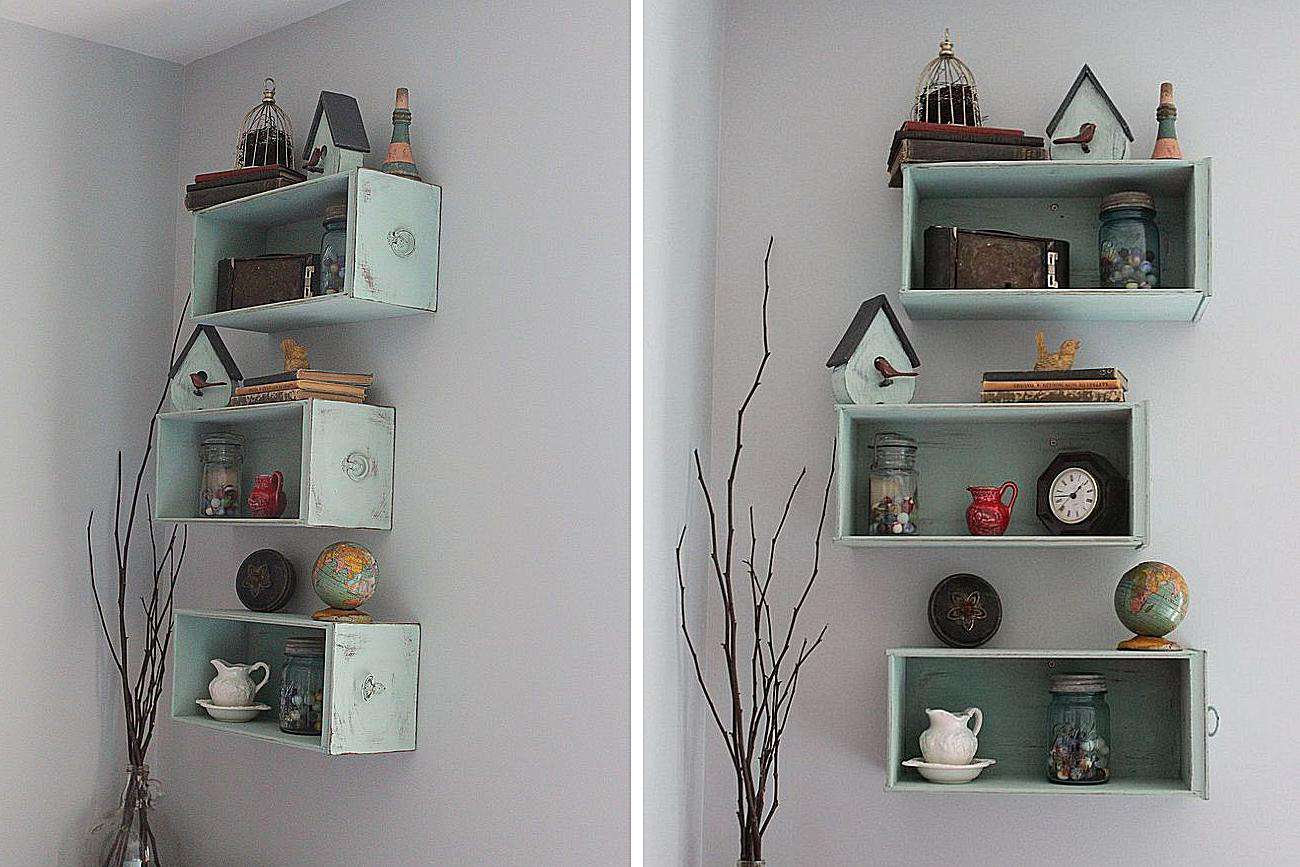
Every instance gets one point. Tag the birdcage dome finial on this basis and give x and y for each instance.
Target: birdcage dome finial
(945, 91)
(265, 136)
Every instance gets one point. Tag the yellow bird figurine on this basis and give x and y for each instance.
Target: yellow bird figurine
(1063, 359)
(295, 355)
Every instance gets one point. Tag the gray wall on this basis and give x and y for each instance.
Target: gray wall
(87, 278)
(683, 56)
(811, 96)
(509, 541)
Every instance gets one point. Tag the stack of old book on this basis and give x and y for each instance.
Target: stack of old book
(303, 385)
(214, 188)
(918, 142)
(1092, 385)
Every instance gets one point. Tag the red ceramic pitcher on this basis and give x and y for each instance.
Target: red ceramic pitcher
(987, 515)
(266, 500)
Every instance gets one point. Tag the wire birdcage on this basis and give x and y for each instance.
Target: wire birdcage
(266, 136)
(945, 92)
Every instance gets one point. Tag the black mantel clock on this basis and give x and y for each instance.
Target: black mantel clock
(1082, 494)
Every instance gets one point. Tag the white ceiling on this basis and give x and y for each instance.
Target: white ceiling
(181, 31)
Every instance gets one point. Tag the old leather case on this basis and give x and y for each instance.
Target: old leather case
(982, 259)
(266, 279)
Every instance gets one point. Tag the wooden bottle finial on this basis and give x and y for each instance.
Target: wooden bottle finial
(1167, 147)
(295, 355)
(400, 160)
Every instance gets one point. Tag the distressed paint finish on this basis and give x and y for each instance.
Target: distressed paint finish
(373, 687)
(349, 455)
(337, 459)
(393, 240)
(1158, 707)
(982, 444)
(393, 234)
(1059, 199)
(371, 677)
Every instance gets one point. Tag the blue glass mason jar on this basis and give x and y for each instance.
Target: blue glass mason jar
(302, 686)
(333, 249)
(1129, 242)
(1078, 730)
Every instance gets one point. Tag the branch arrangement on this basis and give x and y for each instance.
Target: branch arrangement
(142, 685)
(755, 722)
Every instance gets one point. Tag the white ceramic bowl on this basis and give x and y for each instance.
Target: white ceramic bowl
(950, 774)
(231, 714)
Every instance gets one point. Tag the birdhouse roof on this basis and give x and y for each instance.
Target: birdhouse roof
(1086, 74)
(346, 126)
(858, 329)
(223, 354)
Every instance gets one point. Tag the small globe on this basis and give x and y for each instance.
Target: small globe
(1151, 599)
(345, 575)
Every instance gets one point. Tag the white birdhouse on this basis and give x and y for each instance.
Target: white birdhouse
(1088, 126)
(204, 375)
(874, 362)
(337, 141)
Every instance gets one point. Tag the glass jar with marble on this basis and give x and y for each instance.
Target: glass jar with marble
(222, 459)
(302, 686)
(333, 249)
(1129, 242)
(892, 486)
(1078, 730)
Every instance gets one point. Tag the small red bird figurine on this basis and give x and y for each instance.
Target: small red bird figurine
(314, 163)
(888, 371)
(1086, 132)
(200, 381)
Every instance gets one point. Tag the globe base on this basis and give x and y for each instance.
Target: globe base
(342, 615)
(1148, 642)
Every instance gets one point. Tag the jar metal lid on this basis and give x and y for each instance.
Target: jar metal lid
(224, 438)
(1078, 683)
(892, 440)
(304, 647)
(1129, 199)
(336, 211)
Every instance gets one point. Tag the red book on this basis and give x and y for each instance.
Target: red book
(921, 126)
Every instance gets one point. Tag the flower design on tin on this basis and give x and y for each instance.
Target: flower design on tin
(967, 608)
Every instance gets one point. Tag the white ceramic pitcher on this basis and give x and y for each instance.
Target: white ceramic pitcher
(948, 741)
(233, 686)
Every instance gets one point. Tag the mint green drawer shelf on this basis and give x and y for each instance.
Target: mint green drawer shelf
(1158, 706)
(371, 677)
(1059, 199)
(392, 249)
(337, 460)
(964, 444)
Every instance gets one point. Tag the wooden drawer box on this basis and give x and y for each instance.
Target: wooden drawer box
(1158, 707)
(371, 677)
(337, 460)
(1060, 199)
(392, 245)
(986, 444)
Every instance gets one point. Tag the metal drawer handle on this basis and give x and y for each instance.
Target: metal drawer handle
(402, 242)
(1209, 708)
(356, 466)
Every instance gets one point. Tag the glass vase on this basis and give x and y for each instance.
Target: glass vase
(126, 837)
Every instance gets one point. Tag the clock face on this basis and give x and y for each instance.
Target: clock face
(1074, 495)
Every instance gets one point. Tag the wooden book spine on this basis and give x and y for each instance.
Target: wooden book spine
(1078, 395)
(921, 151)
(1053, 385)
(288, 395)
(303, 385)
